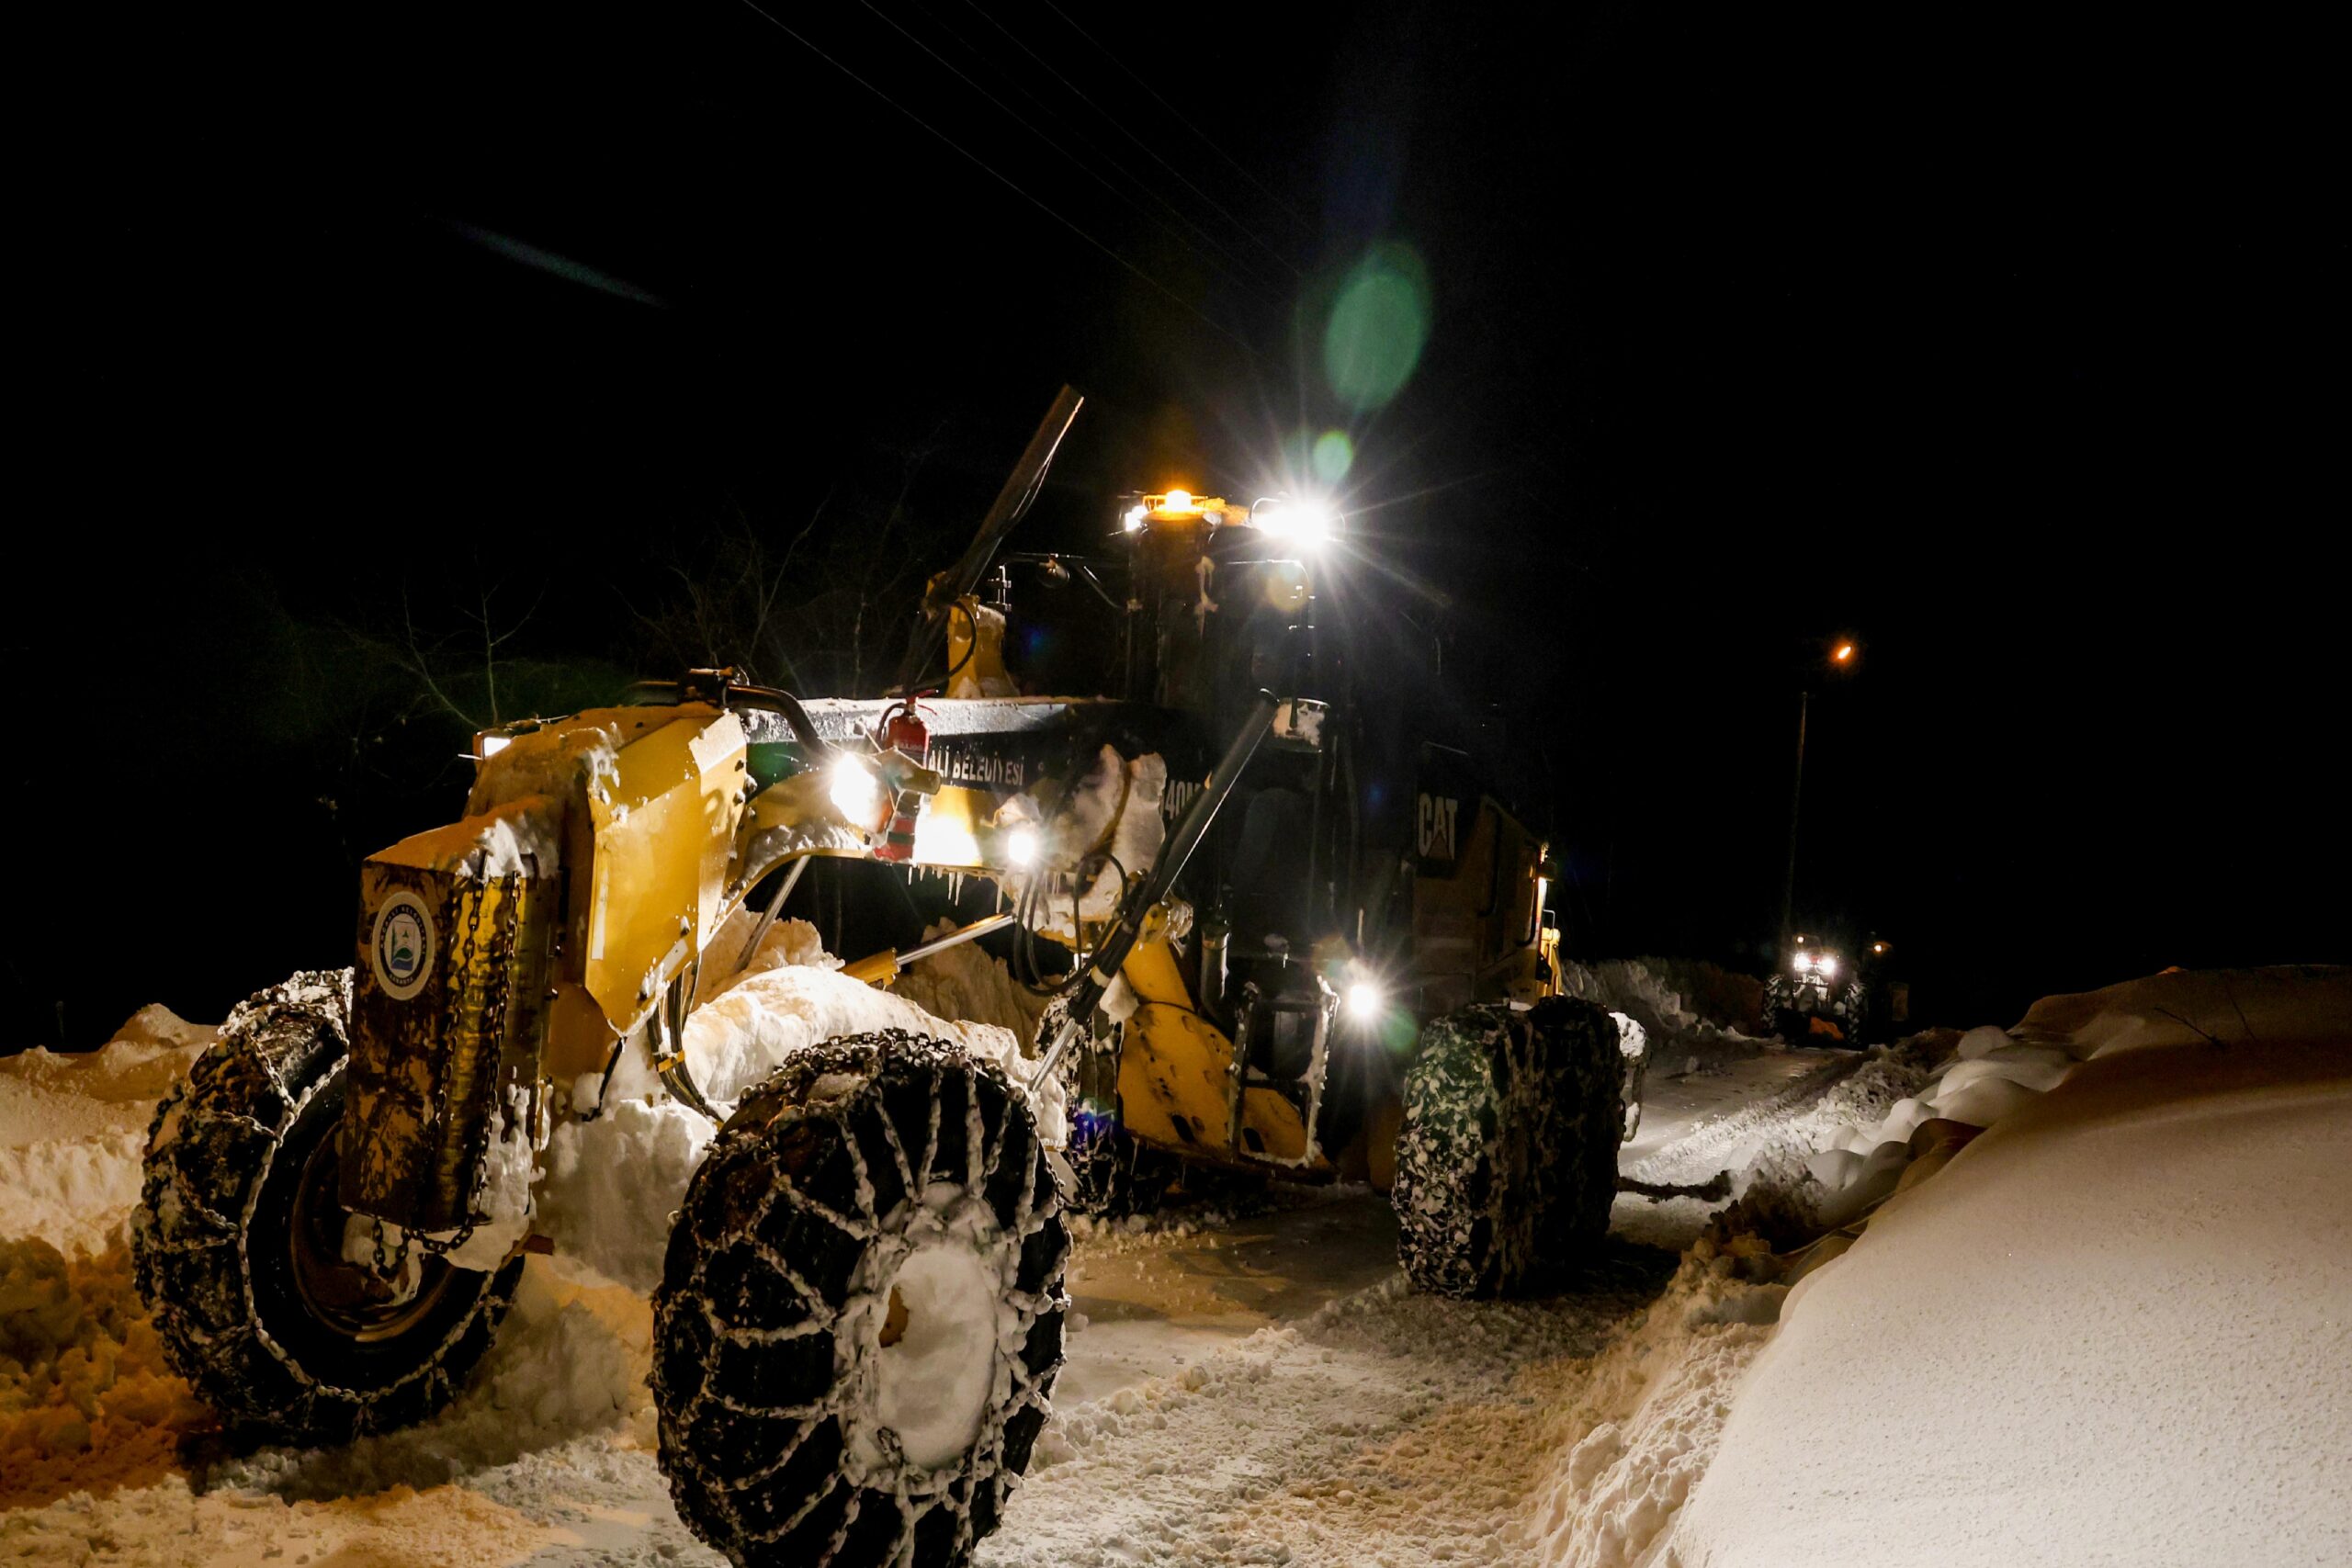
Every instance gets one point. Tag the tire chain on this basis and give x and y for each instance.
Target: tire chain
(494, 1037)
(694, 1332)
(1507, 1160)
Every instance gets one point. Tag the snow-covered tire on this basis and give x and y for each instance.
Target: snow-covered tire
(1507, 1164)
(1112, 1176)
(859, 1315)
(237, 1241)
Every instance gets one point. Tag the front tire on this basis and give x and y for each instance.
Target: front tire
(860, 1318)
(238, 1244)
(1506, 1164)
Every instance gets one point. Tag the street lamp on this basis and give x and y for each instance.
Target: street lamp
(1844, 653)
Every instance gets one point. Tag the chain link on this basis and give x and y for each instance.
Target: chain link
(492, 1037)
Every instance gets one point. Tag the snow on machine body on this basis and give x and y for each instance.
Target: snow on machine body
(576, 1003)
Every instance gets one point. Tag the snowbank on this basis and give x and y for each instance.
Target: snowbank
(1681, 1038)
(73, 1129)
(1994, 1073)
(2111, 1329)
(2305, 1003)
(965, 982)
(1628, 1450)
(85, 1399)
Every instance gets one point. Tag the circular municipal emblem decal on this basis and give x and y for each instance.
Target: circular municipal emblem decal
(400, 950)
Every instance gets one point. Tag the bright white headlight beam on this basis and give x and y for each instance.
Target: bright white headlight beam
(857, 793)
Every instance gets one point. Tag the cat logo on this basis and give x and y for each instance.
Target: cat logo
(1437, 826)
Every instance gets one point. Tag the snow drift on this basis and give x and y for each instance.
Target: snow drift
(2111, 1330)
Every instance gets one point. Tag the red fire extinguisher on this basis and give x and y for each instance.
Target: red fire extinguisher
(903, 730)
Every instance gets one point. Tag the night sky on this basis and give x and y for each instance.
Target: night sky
(2013, 347)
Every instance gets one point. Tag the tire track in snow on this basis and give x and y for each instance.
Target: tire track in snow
(1698, 1154)
(1388, 1427)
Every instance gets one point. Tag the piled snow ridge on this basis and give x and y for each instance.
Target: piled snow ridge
(964, 982)
(1679, 1038)
(85, 1399)
(2183, 1187)
(73, 1129)
(2280, 1004)
(1627, 1451)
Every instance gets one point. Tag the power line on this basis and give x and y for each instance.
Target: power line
(1173, 109)
(1250, 275)
(992, 171)
(1256, 237)
(1018, 118)
(1141, 183)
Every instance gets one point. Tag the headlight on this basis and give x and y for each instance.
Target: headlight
(1308, 521)
(492, 745)
(1364, 998)
(1827, 965)
(1021, 847)
(857, 794)
(1133, 520)
(1802, 963)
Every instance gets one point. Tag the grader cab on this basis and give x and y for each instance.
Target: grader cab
(1244, 966)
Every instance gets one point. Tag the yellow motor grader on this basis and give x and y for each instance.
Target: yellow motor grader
(858, 1317)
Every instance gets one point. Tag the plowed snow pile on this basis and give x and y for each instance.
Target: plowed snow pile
(84, 1396)
(2111, 1329)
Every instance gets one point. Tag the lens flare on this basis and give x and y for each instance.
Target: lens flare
(1332, 456)
(1379, 323)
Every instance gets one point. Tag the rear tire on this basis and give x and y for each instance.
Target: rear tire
(860, 1316)
(1507, 1166)
(237, 1245)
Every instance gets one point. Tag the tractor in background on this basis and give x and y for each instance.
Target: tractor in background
(1825, 993)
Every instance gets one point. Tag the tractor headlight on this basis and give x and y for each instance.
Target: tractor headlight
(1304, 522)
(1827, 966)
(1364, 1000)
(1132, 520)
(857, 793)
(1802, 963)
(1021, 847)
